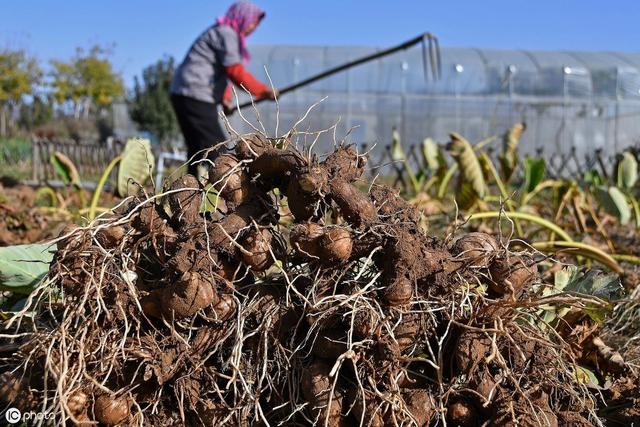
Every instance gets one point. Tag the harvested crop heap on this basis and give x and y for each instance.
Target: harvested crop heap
(169, 313)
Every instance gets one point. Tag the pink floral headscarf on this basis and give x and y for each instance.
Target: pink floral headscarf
(239, 17)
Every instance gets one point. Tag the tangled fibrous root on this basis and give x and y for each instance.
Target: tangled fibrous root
(174, 312)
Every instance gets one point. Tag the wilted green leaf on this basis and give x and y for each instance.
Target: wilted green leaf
(397, 152)
(468, 163)
(589, 282)
(432, 155)
(509, 156)
(466, 196)
(592, 177)
(23, 266)
(137, 162)
(534, 170)
(627, 171)
(562, 278)
(614, 202)
(596, 283)
(586, 376)
(65, 169)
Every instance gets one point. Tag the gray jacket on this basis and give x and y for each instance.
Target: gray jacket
(201, 74)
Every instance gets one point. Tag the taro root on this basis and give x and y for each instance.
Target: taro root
(230, 179)
(363, 324)
(330, 344)
(390, 204)
(484, 384)
(251, 146)
(407, 330)
(354, 205)
(366, 411)
(476, 248)
(10, 387)
(302, 204)
(83, 420)
(421, 406)
(67, 230)
(77, 403)
(274, 167)
(329, 245)
(461, 413)
(335, 245)
(185, 199)
(217, 344)
(399, 292)
(110, 410)
(110, 237)
(225, 307)
(151, 304)
(221, 232)
(191, 293)
(316, 389)
(534, 411)
(304, 238)
(510, 275)
(258, 242)
(471, 349)
(572, 419)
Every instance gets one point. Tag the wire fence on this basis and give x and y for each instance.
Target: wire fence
(568, 165)
(91, 159)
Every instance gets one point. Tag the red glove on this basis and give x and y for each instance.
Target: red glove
(242, 78)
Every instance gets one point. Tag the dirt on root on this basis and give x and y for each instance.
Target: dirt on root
(351, 314)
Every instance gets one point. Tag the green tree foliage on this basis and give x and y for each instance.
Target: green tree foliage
(150, 102)
(87, 81)
(18, 76)
(36, 113)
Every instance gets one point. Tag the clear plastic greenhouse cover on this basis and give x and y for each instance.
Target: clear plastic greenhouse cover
(584, 100)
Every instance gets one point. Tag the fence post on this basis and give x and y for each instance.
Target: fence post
(35, 160)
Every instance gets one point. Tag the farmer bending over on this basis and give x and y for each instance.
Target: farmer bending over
(201, 82)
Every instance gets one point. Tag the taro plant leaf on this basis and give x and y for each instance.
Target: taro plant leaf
(636, 209)
(561, 279)
(534, 170)
(466, 196)
(23, 266)
(592, 177)
(135, 166)
(65, 169)
(586, 376)
(606, 286)
(397, 152)
(614, 202)
(627, 171)
(468, 163)
(509, 156)
(433, 157)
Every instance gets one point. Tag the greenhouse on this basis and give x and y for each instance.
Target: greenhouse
(581, 100)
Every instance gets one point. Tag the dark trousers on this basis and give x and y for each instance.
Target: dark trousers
(200, 127)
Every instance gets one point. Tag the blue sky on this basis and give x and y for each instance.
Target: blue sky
(141, 31)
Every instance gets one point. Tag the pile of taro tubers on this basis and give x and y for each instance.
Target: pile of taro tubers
(300, 295)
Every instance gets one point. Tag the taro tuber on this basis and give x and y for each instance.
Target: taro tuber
(110, 410)
(230, 179)
(329, 245)
(190, 293)
(258, 243)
